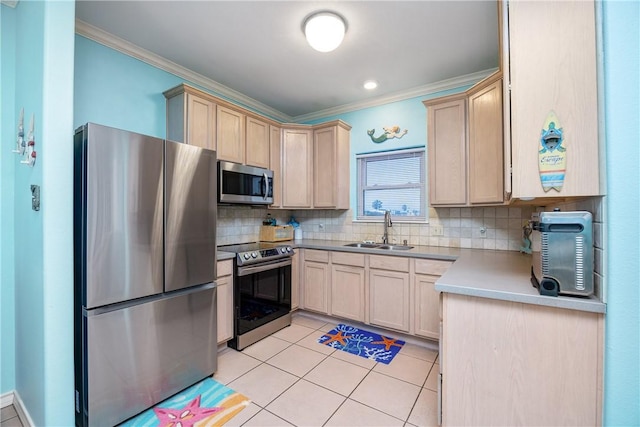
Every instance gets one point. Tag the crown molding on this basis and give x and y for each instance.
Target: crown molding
(107, 39)
(10, 3)
(425, 90)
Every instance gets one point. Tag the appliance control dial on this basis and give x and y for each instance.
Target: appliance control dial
(283, 250)
(288, 248)
(254, 255)
(246, 256)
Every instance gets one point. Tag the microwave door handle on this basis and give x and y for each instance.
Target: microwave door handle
(266, 186)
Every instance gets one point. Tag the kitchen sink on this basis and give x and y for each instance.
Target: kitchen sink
(395, 247)
(364, 245)
(379, 246)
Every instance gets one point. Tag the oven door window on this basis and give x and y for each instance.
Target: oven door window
(262, 297)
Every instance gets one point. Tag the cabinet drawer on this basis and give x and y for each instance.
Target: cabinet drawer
(314, 255)
(225, 268)
(431, 266)
(393, 263)
(346, 258)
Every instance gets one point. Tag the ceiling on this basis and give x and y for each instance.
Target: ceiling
(258, 49)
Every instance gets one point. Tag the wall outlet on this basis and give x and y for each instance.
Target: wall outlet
(437, 230)
(483, 232)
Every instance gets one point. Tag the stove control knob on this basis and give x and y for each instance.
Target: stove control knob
(283, 250)
(246, 256)
(288, 248)
(254, 255)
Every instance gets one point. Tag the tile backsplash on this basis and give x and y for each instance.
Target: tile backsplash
(497, 228)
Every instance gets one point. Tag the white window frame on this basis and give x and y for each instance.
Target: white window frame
(361, 173)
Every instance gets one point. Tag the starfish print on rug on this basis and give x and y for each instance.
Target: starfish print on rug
(387, 342)
(185, 417)
(338, 337)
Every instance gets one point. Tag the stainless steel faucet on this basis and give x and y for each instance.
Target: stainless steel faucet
(387, 224)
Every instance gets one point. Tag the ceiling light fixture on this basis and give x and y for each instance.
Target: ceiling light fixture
(324, 31)
(370, 84)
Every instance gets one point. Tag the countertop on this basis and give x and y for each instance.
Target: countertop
(501, 275)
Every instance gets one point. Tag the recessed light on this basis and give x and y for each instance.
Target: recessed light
(370, 84)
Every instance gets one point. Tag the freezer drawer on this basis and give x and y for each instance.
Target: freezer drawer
(139, 355)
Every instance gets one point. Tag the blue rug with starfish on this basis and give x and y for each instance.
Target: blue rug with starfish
(207, 403)
(362, 343)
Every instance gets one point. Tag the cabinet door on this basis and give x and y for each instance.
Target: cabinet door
(201, 120)
(275, 165)
(324, 167)
(225, 308)
(446, 151)
(347, 292)
(295, 281)
(565, 83)
(230, 135)
(389, 299)
(427, 307)
(486, 169)
(257, 146)
(297, 168)
(316, 282)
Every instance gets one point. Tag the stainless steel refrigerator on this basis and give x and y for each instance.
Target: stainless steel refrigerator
(144, 271)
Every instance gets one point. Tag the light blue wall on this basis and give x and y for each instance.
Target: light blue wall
(37, 53)
(622, 117)
(116, 90)
(7, 171)
(56, 158)
(29, 294)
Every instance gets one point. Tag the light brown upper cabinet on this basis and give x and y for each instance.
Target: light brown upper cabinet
(314, 166)
(191, 119)
(446, 150)
(550, 62)
(465, 146)
(257, 146)
(297, 167)
(310, 162)
(486, 142)
(331, 165)
(230, 127)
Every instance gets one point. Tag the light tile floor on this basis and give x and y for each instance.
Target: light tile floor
(9, 417)
(291, 379)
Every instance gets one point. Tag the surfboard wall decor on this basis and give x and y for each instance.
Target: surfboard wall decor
(552, 155)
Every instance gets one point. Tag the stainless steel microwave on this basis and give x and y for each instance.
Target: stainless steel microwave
(241, 184)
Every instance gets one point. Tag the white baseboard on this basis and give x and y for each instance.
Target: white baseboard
(13, 398)
(6, 399)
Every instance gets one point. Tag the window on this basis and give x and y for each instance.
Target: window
(393, 181)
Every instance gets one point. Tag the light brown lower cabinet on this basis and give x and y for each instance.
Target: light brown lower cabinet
(347, 292)
(373, 289)
(426, 298)
(225, 300)
(509, 363)
(316, 276)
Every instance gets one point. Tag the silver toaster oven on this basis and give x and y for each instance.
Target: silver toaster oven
(562, 247)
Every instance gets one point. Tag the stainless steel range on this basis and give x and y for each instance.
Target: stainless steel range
(261, 291)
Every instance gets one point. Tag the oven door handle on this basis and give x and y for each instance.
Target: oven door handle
(245, 271)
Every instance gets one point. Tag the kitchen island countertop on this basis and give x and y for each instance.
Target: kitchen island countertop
(501, 275)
